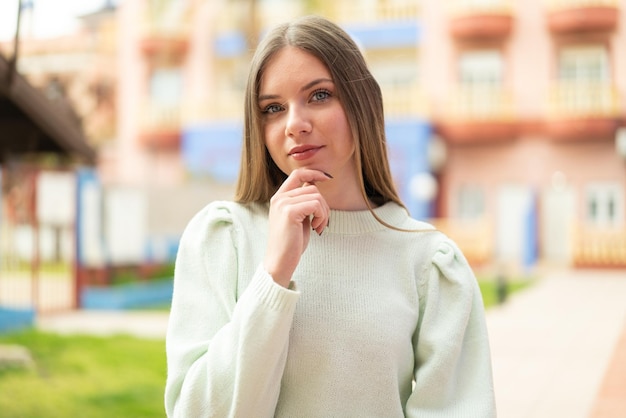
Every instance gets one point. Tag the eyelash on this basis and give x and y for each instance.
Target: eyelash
(318, 91)
(268, 109)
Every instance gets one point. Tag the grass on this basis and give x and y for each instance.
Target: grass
(98, 377)
(489, 288)
(84, 376)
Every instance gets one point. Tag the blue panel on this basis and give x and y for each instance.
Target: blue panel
(531, 239)
(231, 44)
(386, 35)
(213, 150)
(129, 296)
(16, 319)
(408, 156)
(85, 178)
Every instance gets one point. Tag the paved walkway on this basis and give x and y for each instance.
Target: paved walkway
(145, 324)
(552, 345)
(558, 348)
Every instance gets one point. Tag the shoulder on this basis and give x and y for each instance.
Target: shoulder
(420, 233)
(224, 215)
(228, 212)
(435, 250)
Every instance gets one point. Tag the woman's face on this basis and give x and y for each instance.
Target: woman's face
(304, 122)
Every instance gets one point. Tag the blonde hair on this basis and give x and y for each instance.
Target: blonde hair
(360, 96)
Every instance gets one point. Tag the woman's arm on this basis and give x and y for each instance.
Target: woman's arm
(453, 375)
(225, 356)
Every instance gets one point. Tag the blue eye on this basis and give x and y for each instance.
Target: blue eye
(320, 95)
(273, 108)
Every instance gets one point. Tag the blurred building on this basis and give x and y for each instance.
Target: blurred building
(389, 33)
(504, 118)
(181, 93)
(42, 144)
(158, 87)
(529, 99)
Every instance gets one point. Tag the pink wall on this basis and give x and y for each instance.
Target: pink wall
(126, 157)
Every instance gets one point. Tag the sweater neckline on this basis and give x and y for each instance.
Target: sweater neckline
(360, 221)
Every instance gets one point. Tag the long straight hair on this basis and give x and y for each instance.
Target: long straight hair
(358, 92)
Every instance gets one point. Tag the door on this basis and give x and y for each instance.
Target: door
(515, 204)
(557, 221)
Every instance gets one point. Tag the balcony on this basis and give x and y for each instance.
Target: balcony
(383, 11)
(384, 25)
(472, 21)
(599, 248)
(402, 102)
(224, 105)
(582, 16)
(580, 111)
(478, 115)
(164, 41)
(160, 127)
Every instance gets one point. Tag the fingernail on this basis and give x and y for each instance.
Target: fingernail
(328, 175)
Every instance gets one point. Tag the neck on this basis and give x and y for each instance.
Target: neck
(341, 196)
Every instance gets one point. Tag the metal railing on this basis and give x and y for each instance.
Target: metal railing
(160, 117)
(473, 237)
(583, 99)
(352, 12)
(224, 105)
(599, 247)
(402, 101)
(36, 259)
(481, 103)
(464, 7)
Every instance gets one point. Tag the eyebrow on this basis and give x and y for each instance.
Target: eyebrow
(305, 87)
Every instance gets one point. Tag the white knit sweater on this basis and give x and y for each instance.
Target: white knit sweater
(377, 323)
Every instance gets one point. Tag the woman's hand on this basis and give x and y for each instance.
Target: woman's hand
(297, 208)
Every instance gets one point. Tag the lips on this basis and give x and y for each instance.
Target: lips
(304, 152)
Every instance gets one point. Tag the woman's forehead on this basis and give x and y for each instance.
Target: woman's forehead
(290, 65)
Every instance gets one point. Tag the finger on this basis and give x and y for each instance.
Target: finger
(301, 203)
(302, 176)
(320, 223)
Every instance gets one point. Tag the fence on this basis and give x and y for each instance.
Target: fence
(36, 249)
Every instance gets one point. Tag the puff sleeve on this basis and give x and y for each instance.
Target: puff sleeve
(226, 354)
(453, 376)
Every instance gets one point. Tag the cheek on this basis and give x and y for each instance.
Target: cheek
(343, 128)
(271, 140)
(273, 143)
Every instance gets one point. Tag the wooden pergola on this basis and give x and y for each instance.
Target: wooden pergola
(31, 124)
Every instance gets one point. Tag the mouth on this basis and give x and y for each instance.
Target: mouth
(303, 152)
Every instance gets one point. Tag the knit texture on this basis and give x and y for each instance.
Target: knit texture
(377, 322)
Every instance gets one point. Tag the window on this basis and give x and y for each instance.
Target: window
(471, 202)
(584, 80)
(584, 64)
(481, 68)
(166, 86)
(605, 204)
(481, 74)
(403, 72)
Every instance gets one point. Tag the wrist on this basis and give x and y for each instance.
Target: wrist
(280, 277)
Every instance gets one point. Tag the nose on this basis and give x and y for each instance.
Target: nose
(298, 122)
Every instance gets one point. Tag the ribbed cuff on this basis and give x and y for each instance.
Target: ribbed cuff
(271, 294)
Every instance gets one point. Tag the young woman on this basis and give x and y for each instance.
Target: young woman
(314, 294)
